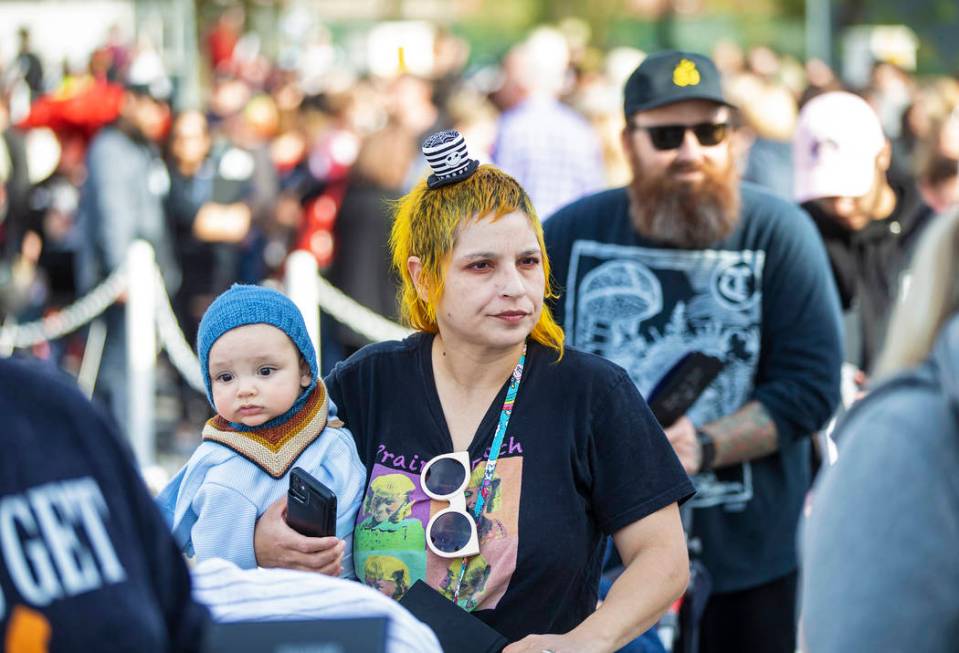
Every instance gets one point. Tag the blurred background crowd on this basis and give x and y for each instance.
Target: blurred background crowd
(263, 127)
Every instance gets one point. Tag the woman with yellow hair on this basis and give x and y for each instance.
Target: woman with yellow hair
(569, 445)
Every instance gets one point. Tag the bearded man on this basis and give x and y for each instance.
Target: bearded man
(687, 258)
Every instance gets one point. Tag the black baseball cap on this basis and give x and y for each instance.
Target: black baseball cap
(672, 76)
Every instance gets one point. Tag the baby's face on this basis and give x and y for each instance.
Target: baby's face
(256, 373)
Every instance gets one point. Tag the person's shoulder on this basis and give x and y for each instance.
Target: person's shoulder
(218, 465)
(585, 210)
(766, 215)
(33, 387)
(109, 144)
(579, 360)
(337, 448)
(761, 203)
(908, 414)
(214, 462)
(210, 454)
(110, 138)
(581, 368)
(379, 353)
(18, 372)
(378, 358)
(41, 402)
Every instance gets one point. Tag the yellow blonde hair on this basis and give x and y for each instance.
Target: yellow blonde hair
(387, 568)
(425, 225)
(392, 485)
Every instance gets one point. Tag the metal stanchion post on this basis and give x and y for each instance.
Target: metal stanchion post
(302, 272)
(141, 350)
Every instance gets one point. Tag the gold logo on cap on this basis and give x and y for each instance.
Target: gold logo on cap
(685, 73)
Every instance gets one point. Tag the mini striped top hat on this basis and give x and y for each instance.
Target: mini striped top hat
(448, 158)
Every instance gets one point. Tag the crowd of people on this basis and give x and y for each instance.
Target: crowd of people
(559, 240)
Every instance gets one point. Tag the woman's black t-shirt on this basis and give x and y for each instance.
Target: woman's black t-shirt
(582, 458)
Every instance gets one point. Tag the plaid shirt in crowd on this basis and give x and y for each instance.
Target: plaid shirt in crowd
(551, 151)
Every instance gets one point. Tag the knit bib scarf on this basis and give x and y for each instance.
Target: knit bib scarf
(275, 449)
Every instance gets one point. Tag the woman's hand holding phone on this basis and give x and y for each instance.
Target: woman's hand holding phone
(278, 545)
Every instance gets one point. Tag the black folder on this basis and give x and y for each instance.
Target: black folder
(682, 385)
(457, 630)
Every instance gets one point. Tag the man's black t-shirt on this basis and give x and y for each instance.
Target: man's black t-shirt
(582, 458)
(86, 562)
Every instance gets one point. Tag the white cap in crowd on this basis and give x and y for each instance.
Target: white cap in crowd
(837, 139)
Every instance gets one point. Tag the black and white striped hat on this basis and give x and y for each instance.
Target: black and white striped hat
(448, 158)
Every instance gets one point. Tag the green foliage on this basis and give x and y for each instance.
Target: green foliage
(934, 21)
(702, 33)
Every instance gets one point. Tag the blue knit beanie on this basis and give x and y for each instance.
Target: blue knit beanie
(242, 305)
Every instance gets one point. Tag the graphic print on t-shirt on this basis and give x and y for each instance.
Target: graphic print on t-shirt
(487, 574)
(389, 542)
(389, 538)
(645, 308)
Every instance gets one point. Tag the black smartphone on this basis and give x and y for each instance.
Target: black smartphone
(310, 506)
(682, 385)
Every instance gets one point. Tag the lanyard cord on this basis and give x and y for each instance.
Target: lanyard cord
(504, 415)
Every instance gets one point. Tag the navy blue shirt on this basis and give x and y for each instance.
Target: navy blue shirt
(763, 301)
(566, 477)
(84, 553)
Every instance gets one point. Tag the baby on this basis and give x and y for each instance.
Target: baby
(273, 411)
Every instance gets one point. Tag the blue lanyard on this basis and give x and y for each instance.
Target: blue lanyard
(504, 415)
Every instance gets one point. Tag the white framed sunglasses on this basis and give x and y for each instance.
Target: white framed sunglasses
(450, 533)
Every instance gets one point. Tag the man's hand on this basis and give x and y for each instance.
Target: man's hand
(682, 435)
(278, 545)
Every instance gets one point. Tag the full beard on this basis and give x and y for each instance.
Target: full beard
(688, 215)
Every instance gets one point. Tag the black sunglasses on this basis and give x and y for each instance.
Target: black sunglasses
(670, 137)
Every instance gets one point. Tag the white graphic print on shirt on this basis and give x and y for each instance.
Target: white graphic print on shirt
(645, 308)
(54, 542)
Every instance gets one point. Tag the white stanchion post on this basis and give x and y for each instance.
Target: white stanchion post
(6, 343)
(302, 272)
(141, 350)
(92, 356)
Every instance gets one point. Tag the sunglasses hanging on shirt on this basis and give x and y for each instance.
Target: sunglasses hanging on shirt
(451, 532)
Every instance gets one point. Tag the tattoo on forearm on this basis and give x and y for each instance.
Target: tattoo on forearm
(746, 434)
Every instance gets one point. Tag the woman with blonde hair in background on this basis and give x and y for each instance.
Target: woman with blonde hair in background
(880, 571)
